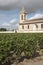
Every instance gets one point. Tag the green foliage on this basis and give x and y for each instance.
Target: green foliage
(17, 44)
(3, 29)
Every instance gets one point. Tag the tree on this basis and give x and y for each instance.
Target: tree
(3, 29)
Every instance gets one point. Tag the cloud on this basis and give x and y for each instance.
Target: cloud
(30, 5)
(13, 21)
(12, 24)
(6, 24)
(7, 2)
(36, 16)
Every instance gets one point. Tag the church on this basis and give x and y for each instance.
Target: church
(29, 25)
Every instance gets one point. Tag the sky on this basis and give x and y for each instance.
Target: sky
(10, 11)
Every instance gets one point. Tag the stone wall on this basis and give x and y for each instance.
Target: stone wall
(32, 27)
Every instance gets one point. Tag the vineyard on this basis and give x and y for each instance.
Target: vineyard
(17, 45)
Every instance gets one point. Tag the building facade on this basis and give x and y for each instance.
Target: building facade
(29, 25)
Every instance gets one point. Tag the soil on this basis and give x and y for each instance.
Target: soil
(32, 61)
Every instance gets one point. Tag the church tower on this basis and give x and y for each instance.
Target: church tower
(22, 15)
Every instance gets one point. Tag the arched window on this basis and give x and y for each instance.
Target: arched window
(28, 26)
(23, 27)
(21, 17)
(36, 26)
(41, 25)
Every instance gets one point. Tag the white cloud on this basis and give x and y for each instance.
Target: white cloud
(12, 24)
(6, 24)
(36, 16)
(12, 21)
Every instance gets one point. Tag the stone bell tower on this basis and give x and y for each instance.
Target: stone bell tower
(22, 19)
(22, 15)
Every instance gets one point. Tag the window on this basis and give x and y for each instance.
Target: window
(21, 17)
(41, 25)
(36, 26)
(22, 27)
(28, 26)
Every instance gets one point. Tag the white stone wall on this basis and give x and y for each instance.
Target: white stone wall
(39, 26)
(20, 27)
(25, 27)
(32, 27)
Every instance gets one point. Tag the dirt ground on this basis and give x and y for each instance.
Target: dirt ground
(33, 61)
